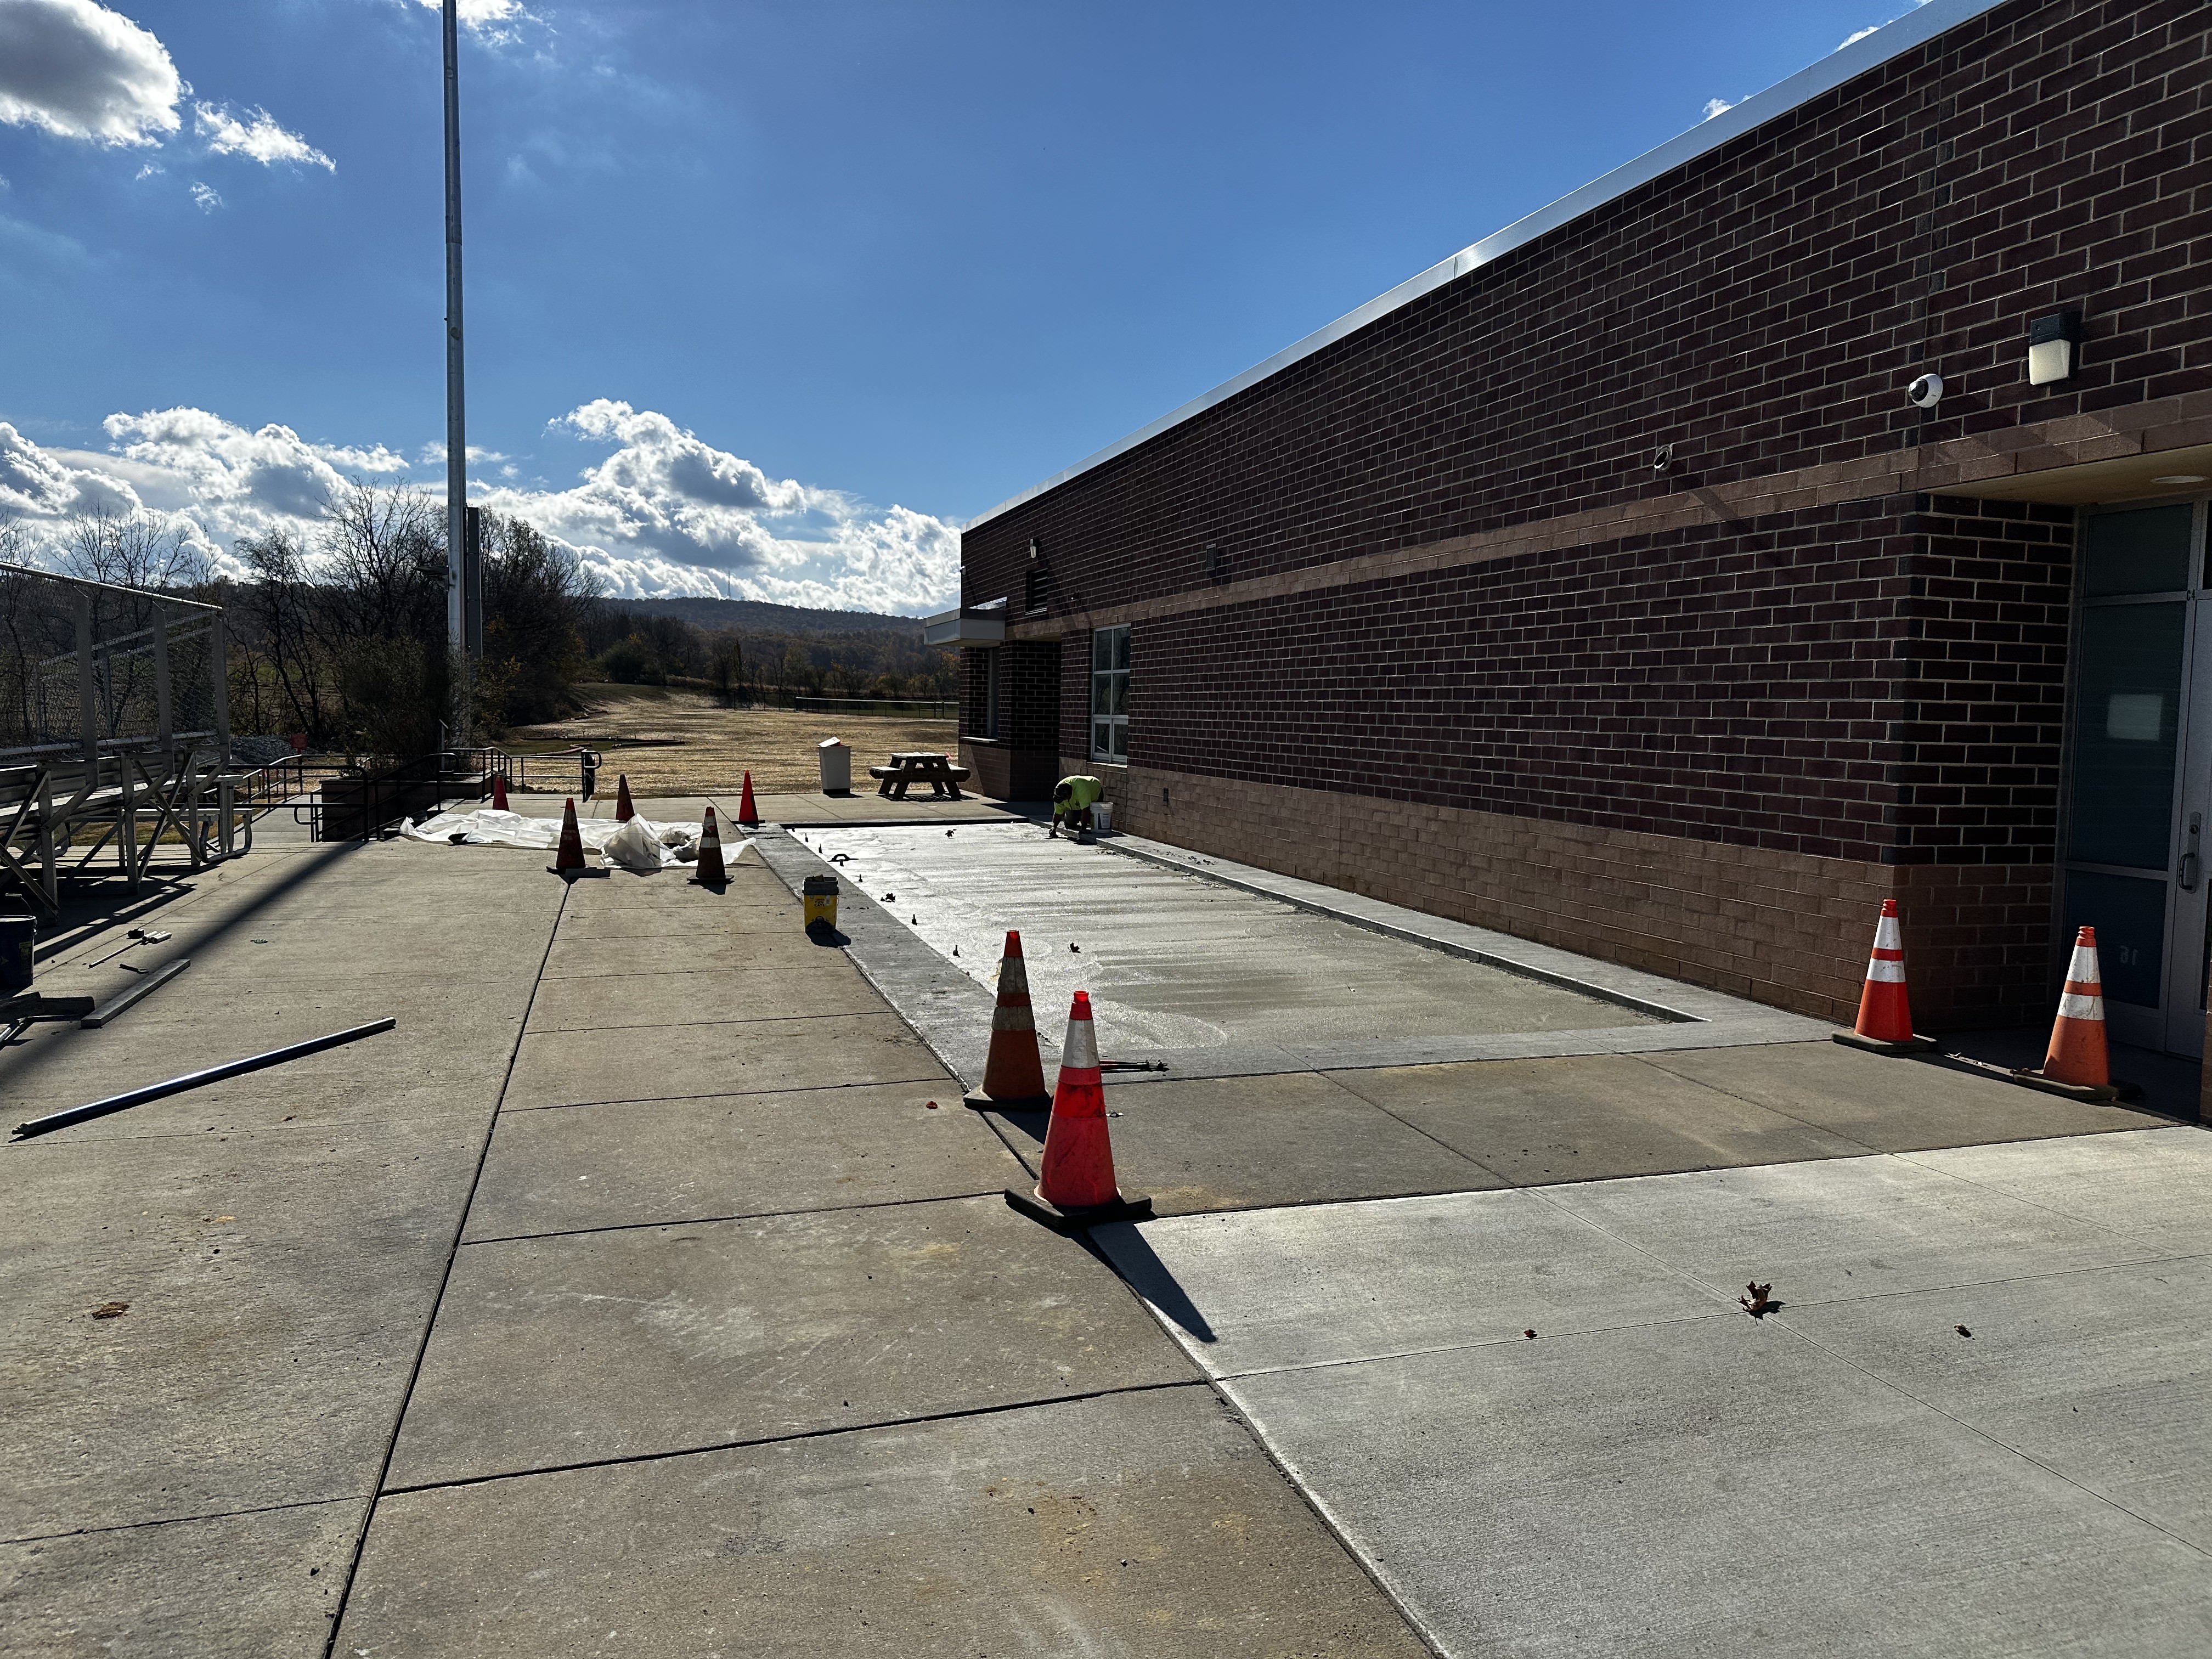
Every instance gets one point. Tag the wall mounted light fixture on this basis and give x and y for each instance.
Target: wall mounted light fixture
(1662, 458)
(1211, 553)
(2054, 347)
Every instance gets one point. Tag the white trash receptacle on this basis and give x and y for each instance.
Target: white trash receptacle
(836, 767)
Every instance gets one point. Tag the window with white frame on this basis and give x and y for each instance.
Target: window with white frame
(1109, 695)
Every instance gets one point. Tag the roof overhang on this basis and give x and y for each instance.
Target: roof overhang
(964, 628)
(2160, 473)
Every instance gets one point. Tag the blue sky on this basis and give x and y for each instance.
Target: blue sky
(762, 299)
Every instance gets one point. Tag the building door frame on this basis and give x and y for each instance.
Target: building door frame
(2154, 968)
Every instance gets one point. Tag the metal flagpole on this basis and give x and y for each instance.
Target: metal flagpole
(457, 443)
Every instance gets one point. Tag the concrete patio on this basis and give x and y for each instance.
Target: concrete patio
(649, 1292)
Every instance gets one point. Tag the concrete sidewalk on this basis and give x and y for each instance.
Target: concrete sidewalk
(648, 1292)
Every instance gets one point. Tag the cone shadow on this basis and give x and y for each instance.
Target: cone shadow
(1132, 1255)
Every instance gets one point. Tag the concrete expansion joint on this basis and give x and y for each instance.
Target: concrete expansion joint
(837, 1431)
(734, 1215)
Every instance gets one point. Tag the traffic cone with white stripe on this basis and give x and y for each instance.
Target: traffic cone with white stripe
(570, 856)
(2076, 1054)
(623, 811)
(710, 871)
(1013, 1076)
(1075, 1183)
(1885, 1022)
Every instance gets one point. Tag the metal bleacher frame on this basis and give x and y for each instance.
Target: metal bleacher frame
(54, 793)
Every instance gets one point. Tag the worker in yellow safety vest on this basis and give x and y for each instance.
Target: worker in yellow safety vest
(1072, 801)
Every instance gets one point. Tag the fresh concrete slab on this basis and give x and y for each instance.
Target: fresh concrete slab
(1240, 1143)
(1330, 1283)
(1137, 1524)
(1845, 1228)
(2100, 1375)
(277, 1287)
(559, 1351)
(1172, 961)
(1891, 1105)
(1711, 1486)
(682, 1160)
(821, 984)
(576, 1068)
(2155, 1185)
(1592, 1117)
(268, 1583)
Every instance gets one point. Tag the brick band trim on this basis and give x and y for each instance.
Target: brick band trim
(1969, 463)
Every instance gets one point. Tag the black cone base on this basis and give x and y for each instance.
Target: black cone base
(1073, 1218)
(976, 1100)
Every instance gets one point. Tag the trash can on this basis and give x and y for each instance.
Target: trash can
(836, 767)
(818, 895)
(19, 940)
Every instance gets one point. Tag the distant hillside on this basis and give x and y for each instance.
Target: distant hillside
(757, 616)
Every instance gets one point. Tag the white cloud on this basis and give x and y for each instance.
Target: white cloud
(1853, 39)
(208, 197)
(1719, 106)
(257, 136)
(496, 21)
(663, 511)
(80, 70)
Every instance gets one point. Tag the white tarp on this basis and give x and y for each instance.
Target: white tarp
(637, 844)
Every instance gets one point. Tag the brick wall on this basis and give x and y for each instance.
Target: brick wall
(1019, 764)
(1761, 308)
(1454, 611)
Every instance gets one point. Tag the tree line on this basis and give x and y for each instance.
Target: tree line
(338, 635)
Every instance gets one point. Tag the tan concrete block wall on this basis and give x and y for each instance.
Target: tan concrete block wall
(1781, 928)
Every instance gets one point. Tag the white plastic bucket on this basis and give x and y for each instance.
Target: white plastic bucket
(1102, 814)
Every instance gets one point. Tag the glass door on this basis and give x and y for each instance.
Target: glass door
(2139, 773)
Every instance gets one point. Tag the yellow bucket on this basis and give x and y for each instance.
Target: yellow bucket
(818, 897)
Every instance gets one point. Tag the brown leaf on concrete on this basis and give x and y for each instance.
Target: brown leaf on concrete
(110, 1310)
(1962, 1330)
(1760, 1303)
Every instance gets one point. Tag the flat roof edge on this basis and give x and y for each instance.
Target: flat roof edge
(1917, 28)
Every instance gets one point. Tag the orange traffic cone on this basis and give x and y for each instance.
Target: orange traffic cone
(1075, 1186)
(1013, 1076)
(623, 811)
(1884, 1024)
(2076, 1056)
(749, 814)
(710, 871)
(571, 854)
(498, 792)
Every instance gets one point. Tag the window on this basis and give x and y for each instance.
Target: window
(983, 709)
(1109, 695)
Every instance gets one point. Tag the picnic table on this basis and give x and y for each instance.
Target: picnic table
(918, 766)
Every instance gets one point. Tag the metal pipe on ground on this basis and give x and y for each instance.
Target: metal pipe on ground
(229, 1068)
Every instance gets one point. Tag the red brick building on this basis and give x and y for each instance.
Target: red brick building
(1604, 585)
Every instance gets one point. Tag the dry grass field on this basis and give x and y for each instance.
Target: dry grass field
(681, 742)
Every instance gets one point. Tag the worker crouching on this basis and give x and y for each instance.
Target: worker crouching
(1072, 801)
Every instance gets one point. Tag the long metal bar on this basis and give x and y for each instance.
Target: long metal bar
(176, 1086)
(100, 587)
(456, 440)
(87, 697)
(115, 1005)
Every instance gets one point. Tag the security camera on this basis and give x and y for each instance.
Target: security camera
(1925, 392)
